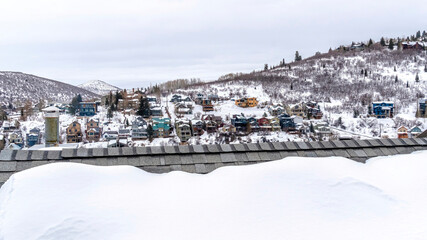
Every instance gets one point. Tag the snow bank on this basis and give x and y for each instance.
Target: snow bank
(295, 198)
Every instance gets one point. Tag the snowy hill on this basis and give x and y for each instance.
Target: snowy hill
(294, 198)
(17, 87)
(343, 80)
(99, 87)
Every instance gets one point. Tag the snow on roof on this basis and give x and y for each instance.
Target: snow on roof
(50, 109)
(379, 102)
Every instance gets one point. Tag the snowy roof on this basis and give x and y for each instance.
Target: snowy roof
(50, 109)
(379, 102)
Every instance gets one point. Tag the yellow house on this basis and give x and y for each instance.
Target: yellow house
(247, 102)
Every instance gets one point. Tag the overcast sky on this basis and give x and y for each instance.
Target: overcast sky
(132, 43)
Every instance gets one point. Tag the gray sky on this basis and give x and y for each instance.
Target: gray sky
(130, 43)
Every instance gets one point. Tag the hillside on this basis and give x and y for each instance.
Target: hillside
(17, 87)
(99, 87)
(342, 80)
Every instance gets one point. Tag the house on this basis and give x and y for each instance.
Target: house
(253, 125)
(402, 132)
(110, 135)
(197, 127)
(357, 47)
(139, 129)
(87, 109)
(287, 123)
(130, 99)
(275, 124)
(207, 105)
(383, 109)
(264, 124)
(211, 117)
(240, 123)
(181, 108)
(16, 138)
(247, 102)
(322, 129)
(124, 133)
(276, 110)
(183, 129)
(74, 132)
(151, 99)
(156, 111)
(33, 137)
(414, 45)
(313, 110)
(297, 110)
(415, 132)
(179, 98)
(422, 108)
(227, 130)
(93, 131)
(161, 127)
(199, 98)
(93, 134)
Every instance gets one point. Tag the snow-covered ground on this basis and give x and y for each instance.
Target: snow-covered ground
(295, 198)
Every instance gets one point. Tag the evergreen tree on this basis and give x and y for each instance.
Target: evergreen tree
(425, 68)
(366, 73)
(407, 84)
(391, 44)
(22, 114)
(118, 96)
(396, 79)
(109, 113)
(417, 78)
(297, 57)
(311, 127)
(418, 35)
(292, 86)
(382, 42)
(150, 132)
(370, 43)
(79, 98)
(355, 113)
(75, 104)
(144, 108)
(265, 67)
(394, 69)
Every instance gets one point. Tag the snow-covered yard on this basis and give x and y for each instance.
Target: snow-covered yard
(294, 198)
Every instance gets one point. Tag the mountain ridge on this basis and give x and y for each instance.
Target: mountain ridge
(99, 87)
(18, 87)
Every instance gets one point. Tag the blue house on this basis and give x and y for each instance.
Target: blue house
(383, 109)
(33, 137)
(87, 109)
(240, 123)
(287, 123)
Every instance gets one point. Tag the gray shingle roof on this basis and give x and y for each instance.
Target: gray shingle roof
(205, 158)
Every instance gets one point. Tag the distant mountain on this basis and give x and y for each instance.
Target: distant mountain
(99, 87)
(17, 87)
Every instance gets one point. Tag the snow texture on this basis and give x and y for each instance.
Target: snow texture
(294, 198)
(99, 87)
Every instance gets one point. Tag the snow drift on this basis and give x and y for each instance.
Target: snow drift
(295, 198)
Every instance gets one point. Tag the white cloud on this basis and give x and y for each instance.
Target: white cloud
(75, 41)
